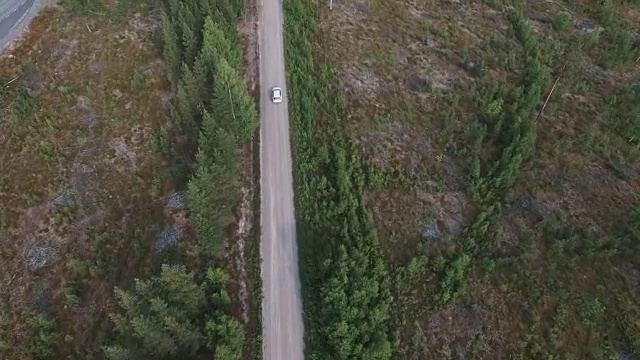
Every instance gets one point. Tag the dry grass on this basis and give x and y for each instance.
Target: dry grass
(82, 186)
(409, 70)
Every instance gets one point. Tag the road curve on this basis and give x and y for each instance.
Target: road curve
(14, 17)
(282, 305)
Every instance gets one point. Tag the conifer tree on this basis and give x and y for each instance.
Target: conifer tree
(187, 101)
(220, 145)
(117, 352)
(227, 11)
(216, 45)
(226, 336)
(208, 8)
(210, 195)
(189, 42)
(201, 86)
(225, 333)
(233, 105)
(171, 49)
(159, 318)
(173, 9)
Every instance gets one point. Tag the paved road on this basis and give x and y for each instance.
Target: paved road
(14, 14)
(282, 305)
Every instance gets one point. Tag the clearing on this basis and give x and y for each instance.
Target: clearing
(509, 224)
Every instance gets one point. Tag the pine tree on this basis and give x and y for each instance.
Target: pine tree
(159, 317)
(190, 26)
(171, 49)
(173, 8)
(232, 103)
(226, 336)
(211, 197)
(190, 43)
(220, 145)
(194, 81)
(117, 352)
(227, 11)
(238, 8)
(208, 8)
(216, 45)
(187, 101)
(203, 80)
(184, 113)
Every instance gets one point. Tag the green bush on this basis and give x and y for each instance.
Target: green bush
(620, 46)
(44, 339)
(561, 21)
(72, 294)
(590, 310)
(25, 103)
(454, 279)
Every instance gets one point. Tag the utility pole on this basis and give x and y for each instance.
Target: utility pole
(330, 4)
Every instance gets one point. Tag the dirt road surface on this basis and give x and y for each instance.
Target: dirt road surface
(282, 305)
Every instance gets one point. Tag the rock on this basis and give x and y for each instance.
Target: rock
(627, 355)
(430, 230)
(587, 26)
(528, 205)
(65, 198)
(177, 200)
(96, 67)
(418, 84)
(168, 237)
(469, 66)
(38, 257)
(545, 19)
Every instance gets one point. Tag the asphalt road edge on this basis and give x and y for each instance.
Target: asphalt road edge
(15, 35)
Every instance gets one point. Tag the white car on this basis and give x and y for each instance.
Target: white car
(276, 95)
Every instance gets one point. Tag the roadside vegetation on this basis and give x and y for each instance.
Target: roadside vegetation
(345, 279)
(125, 126)
(467, 177)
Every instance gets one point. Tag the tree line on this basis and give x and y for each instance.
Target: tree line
(506, 123)
(185, 310)
(345, 279)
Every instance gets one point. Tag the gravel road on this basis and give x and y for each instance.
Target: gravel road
(282, 305)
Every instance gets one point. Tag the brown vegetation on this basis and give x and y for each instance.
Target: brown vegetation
(422, 80)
